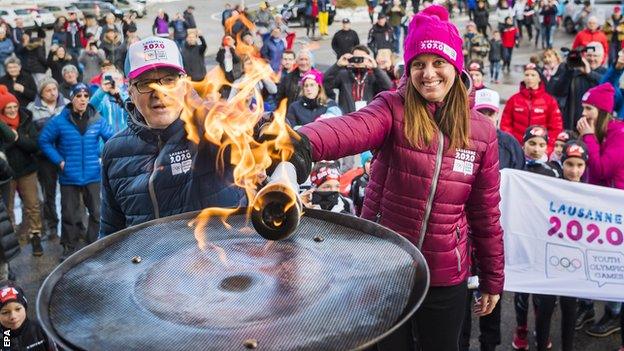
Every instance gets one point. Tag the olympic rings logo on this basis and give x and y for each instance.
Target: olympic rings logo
(571, 265)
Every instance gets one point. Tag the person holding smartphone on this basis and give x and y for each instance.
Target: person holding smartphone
(358, 79)
(109, 99)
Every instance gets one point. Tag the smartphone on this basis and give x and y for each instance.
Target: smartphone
(109, 79)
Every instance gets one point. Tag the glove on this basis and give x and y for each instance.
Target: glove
(301, 157)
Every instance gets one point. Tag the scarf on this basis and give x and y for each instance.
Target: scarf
(11, 122)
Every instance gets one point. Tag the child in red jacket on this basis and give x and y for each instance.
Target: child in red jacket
(509, 37)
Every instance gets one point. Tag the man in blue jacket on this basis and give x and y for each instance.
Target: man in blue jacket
(71, 140)
(151, 169)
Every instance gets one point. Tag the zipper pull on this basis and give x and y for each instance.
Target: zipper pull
(457, 232)
(378, 217)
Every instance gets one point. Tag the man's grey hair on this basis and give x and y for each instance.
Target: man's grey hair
(69, 68)
(12, 59)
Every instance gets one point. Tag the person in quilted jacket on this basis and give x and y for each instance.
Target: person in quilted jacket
(435, 175)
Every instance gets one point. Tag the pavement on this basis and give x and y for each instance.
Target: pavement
(31, 271)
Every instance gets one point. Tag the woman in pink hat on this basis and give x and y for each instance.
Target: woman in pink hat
(434, 175)
(313, 102)
(604, 136)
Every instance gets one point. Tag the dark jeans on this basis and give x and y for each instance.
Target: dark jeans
(507, 52)
(310, 25)
(489, 326)
(435, 326)
(72, 212)
(521, 306)
(48, 177)
(483, 30)
(545, 305)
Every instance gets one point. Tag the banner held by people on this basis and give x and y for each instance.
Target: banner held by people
(562, 238)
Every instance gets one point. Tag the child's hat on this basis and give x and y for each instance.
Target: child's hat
(563, 136)
(574, 148)
(535, 131)
(10, 293)
(323, 174)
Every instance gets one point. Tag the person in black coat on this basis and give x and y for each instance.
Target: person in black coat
(230, 64)
(313, 102)
(9, 246)
(193, 56)
(33, 55)
(381, 35)
(19, 331)
(482, 18)
(289, 87)
(189, 17)
(19, 83)
(59, 58)
(345, 39)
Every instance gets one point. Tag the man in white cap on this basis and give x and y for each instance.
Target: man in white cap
(151, 169)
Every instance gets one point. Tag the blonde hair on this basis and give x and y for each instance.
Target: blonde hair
(553, 52)
(321, 98)
(453, 120)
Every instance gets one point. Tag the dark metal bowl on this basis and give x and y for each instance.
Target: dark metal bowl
(338, 283)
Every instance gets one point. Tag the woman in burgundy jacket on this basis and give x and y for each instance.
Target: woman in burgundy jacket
(434, 176)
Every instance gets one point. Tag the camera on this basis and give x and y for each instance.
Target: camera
(109, 79)
(356, 59)
(575, 56)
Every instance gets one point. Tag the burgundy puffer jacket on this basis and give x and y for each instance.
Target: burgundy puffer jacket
(413, 191)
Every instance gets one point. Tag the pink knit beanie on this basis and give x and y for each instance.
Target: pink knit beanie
(601, 97)
(430, 32)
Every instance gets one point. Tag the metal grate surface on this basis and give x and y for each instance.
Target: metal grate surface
(297, 294)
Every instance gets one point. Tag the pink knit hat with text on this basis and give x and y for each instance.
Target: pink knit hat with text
(601, 97)
(430, 32)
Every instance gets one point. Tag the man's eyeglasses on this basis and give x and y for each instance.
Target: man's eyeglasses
(82, 96)
(167, 82)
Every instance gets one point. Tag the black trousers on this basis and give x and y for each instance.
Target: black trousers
(72, 212)
(489, 326)
(435, 326)
(48, 177)
(545, 306)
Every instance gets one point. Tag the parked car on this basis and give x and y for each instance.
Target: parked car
(90, 8)
(59, 9)
(43, 17)
(9, 15)
(294, 12)
(602, 9)
(129, 6)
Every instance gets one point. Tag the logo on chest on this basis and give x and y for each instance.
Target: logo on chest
(464, 161)
(180, 161)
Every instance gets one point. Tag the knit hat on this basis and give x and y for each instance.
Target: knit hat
(79, 88)
(6, 98)
(601, 97)
(487, 99)
(430, 32)
(535, 131)
(564, 136)
(475, 65)
(574, 148)
(365, 157)
(9, 293)
(312, 74)
(45, 82)
(323, 174)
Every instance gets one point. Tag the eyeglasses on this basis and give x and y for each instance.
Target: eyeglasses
(82, 96)
(145, 86)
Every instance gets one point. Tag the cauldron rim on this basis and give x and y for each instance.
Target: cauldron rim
(356, 223)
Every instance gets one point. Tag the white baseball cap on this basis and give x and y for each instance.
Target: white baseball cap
(487, 98)
(151, 53)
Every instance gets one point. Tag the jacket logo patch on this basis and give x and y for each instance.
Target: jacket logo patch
(180, 161)
(464, 161)
(539, 110)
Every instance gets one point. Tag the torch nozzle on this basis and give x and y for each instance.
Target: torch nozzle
(276, 209)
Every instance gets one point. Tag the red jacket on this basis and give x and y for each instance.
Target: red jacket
(532, 107)
(404, 189)
(508, 36)
(586, 36)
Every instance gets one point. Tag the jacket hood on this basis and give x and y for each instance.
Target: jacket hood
(60, 101)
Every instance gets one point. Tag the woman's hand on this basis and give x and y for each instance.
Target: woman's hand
(485, 305)
(585, 127)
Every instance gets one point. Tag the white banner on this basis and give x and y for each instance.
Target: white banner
(562, 238)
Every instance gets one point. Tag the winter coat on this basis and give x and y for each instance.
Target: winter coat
(431, 195)
(606, 161)
(549, 15)
(30, 336)
(496, 51)
(236, 71)
(572, 84)
(179, 29)
(189, 18)
(21, 154)
(373, 82)
(272, 50)
(75, 35)
(61, 140)
(41, 114)
(475, 47)
(357, 191)
(288, 88)
(343, 41)
(91, 64)
(9, 245)
(161, 26)
(509, 36)
(148, 174)
(500, 14)
(56, 66)
(25, 79)
(481, 17)
(6, 49)
(614, 29)
(613, 76)
(111, 107)
(394, 17)
(115, 52)
(586, 36)
(510, 154)
(303, 111)
(532, 107)
(380, 38)
(193, 58)
(34, 57)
